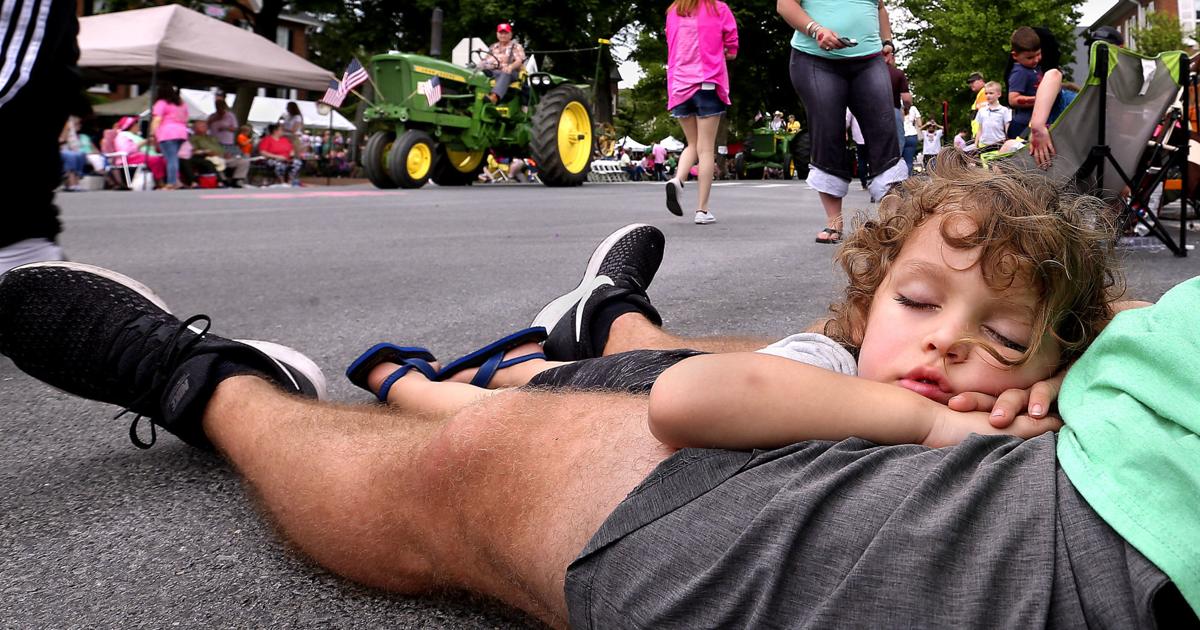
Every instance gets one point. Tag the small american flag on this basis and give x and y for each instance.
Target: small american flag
(432, 89)
(354, 76)
(333, 94)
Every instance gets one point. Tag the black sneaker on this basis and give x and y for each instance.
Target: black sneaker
(621, 268)
(98, 334)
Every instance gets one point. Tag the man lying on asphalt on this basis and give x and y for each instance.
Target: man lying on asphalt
(563, 504)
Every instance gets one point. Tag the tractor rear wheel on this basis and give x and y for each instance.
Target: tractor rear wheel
(456, 168)
(410, 162)
(739, 165)
(562, 137)
(375, 159)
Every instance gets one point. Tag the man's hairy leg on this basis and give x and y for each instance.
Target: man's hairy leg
(632, 331)
(497, 499)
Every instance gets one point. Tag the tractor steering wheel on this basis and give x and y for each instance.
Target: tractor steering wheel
(481, 51)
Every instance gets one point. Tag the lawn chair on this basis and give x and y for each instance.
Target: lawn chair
(114, 160)
(1103, 133)
(494, 171)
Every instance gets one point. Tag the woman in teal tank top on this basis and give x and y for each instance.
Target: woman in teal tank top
(836, 65)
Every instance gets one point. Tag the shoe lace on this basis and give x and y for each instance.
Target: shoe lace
(166, 367)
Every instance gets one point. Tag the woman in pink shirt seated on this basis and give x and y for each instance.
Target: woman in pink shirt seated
(135, 148)
(169, 129)
(701, 36)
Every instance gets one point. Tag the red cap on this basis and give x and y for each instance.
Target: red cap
(504, 27)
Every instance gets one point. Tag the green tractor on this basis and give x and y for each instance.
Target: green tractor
(415, 136)
(786, 153)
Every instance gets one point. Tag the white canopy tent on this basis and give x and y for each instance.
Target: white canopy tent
(201, 104)
(671, 144)
(198, 106)
(174, 43)
(266, 110)
(629, 144)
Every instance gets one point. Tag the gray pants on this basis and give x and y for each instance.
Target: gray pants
(503, 80)
(829, 87)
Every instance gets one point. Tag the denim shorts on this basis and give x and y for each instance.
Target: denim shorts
(703, 103)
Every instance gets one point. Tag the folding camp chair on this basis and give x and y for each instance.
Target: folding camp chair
(115, 161)
(1101, 135)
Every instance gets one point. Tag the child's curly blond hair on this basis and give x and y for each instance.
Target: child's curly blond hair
(1031, 231)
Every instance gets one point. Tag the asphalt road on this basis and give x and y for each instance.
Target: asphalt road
(96, 533)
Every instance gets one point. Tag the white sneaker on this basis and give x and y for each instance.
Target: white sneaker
(704, 217)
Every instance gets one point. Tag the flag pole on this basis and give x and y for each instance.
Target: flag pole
(364, 99)
(374, 86)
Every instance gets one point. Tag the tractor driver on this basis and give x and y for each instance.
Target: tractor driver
(504, 62)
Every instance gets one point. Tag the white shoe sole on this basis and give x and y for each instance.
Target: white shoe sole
(673, 190)
(290, 359)
(553, 311)
(121, 279)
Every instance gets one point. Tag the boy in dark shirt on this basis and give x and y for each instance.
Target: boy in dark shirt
(1024, 78)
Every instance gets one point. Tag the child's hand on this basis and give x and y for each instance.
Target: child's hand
(1041, 146)
(951, 427)
(1035, 401)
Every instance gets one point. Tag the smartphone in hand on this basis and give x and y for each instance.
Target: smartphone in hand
(848, 41)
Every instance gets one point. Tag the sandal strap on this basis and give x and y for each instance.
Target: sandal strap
(382, 353)
(483, 377)
(481, 356)
(406, 366)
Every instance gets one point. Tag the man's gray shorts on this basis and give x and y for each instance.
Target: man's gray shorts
(989, 534)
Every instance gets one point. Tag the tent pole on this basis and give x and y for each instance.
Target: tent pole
(146, 133)
(328, 150)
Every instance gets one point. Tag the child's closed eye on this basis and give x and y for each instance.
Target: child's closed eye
(1004, 341)
(914, 304)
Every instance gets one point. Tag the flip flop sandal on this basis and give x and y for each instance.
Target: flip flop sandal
(409, 357)
(490, 358)
(833, 236)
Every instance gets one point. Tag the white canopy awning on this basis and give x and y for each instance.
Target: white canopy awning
(177, 44)
(264, 111)
(267, 110)
(631, 145)
(671, 144)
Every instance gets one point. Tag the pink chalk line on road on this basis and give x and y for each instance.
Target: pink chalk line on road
(301, 195)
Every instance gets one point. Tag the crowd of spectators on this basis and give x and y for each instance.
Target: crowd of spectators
(211, 152)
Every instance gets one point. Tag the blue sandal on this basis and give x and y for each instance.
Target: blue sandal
(409, 357)
(490, 358)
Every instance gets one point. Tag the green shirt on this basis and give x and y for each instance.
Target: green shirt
(207, 144)
(1131, 447)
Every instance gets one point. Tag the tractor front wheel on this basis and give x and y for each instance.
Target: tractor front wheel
(410, 162)
(375, 159)
(562, 137)
(456, 168)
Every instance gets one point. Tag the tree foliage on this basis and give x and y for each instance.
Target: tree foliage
(950, 39)
(1161, 33)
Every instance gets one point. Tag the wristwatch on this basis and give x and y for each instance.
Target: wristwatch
(888, 42)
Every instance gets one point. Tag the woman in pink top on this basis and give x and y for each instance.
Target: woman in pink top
(169, 129)
(701, 36)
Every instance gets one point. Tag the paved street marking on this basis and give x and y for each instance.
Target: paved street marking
(768, 185)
